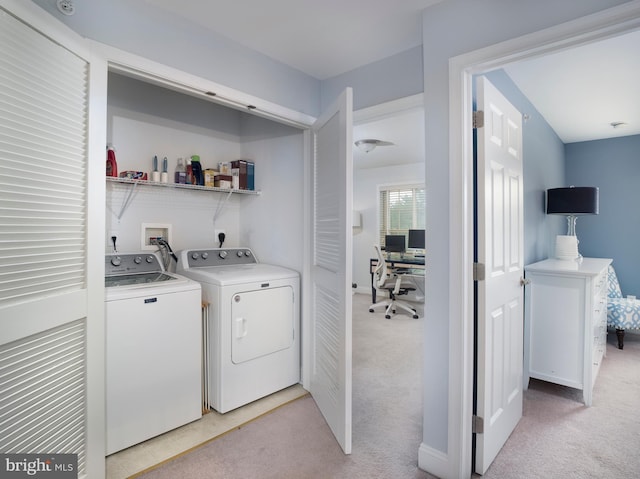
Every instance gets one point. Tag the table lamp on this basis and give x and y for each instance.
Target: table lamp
(571, 202)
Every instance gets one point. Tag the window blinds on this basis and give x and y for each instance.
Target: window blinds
(401, 208)
(43, 122)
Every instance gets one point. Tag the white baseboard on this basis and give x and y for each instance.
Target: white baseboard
(433, 461)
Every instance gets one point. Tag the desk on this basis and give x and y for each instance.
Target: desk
(398, 262)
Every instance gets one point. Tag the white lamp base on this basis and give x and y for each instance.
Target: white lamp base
(567, 247)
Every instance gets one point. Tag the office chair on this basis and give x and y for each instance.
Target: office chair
(394, 285)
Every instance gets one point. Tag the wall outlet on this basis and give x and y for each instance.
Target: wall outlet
(215, 236)
(110, 246)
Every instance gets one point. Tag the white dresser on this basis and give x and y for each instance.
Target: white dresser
(565, 330)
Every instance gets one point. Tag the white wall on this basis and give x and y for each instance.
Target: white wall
(273, 223)
(145, 120)
(365, 200)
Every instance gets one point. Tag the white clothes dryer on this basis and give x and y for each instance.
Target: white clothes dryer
(253, 324)
(153, 360)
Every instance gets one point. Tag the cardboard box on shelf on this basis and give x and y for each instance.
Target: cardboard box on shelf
(241, 166)
(222, 181)
(209, 176)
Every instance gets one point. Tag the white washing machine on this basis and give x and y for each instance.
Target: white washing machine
(253, 326)
(153, 350)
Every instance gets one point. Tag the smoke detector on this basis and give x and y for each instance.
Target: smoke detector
(66, 7)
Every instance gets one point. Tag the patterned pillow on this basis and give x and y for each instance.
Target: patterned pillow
(613, 286)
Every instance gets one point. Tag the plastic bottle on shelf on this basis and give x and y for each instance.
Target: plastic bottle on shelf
(189, 176)
(196, 167)
(112, 164)
(155, 174)
(181, 173)
(164, 176)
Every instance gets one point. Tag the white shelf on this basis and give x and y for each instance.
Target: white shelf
(128, 181)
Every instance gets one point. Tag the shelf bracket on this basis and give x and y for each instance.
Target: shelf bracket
(126, 202)
(221, 205)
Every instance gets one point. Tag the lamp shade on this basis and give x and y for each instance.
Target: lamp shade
(583, 200)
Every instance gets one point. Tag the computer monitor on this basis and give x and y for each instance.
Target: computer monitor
(394, 243)
(416, 239)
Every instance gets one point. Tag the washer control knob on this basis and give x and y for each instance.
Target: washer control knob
(240, 253)
(195, 256)
(205, 255)
(149, 259)
(115, 261)
(137, 260)
(222, 254)
(247, 253)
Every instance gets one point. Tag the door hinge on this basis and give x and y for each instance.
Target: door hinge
(478, 271)
(477, 425)
(478, 119)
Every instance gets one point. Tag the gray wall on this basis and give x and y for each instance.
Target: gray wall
(612, 165)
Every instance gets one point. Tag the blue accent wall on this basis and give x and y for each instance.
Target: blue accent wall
(544, 167)
(613, 165)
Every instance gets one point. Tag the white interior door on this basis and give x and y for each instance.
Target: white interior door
(500, 295)
(330, 268)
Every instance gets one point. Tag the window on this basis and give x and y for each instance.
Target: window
(402, 207)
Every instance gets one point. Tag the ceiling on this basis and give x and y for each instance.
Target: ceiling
(322, 38)
(404, 129)
(579, 91)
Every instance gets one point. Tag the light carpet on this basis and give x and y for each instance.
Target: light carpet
(294, 441)
(559, 437)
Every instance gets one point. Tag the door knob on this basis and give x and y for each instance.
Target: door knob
(524, 281)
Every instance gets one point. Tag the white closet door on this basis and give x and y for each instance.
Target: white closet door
(44, 235)
(331, 267)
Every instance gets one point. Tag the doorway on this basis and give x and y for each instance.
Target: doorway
(386, 362)
(462, 68)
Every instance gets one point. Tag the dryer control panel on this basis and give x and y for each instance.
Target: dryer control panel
(198, 258)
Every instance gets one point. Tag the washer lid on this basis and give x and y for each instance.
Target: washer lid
(137, 279)
(159, 282)
(239, 274)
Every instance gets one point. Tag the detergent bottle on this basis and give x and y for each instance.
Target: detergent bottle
(112, 164)
(196, 169)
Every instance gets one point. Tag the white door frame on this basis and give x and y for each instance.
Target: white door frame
(611, 22)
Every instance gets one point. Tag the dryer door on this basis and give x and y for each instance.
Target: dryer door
(262, 323)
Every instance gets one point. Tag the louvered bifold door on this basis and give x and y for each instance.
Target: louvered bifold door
(331, 267)
(43, 217)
